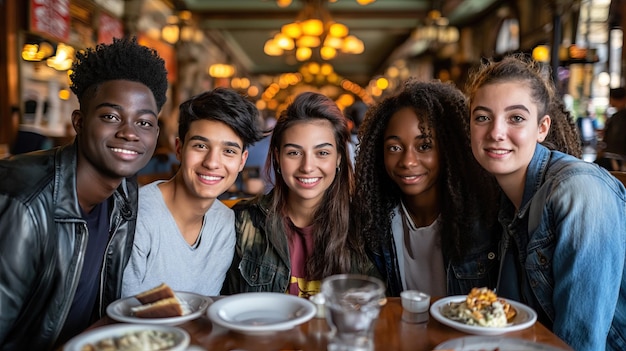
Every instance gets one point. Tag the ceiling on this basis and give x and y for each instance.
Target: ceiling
(243, 26)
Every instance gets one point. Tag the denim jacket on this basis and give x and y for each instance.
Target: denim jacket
(262, 261)
(574, 259)
(478, 269)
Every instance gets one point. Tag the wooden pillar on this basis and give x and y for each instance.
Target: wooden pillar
(12, 17)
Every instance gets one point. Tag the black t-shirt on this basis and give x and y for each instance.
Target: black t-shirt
(79, 316)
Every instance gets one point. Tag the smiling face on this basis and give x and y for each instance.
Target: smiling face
(308, 160)
(411, 157)
(211, 157)
(505, 129)
(116, 129)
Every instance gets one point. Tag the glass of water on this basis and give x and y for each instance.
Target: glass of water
(352, 303)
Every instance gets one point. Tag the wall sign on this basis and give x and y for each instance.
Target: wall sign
(51, 18)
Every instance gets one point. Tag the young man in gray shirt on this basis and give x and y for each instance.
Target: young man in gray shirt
(185, 237)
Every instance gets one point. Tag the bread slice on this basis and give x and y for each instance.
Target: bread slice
(169, 307)
(160, 292)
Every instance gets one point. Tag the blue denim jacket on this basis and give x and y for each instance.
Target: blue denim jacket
(478, 269)
(574, 260)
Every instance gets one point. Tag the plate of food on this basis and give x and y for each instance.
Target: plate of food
(130, 337)
(261, 312)
(474, 343)
(160, 305)
(481, 312)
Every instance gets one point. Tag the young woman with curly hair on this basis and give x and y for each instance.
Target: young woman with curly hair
(422, 204)
(293, 237)
(564, 219)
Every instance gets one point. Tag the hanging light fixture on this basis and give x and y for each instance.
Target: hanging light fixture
(221, 70)
(313, 28)
(286, 3)
(437, 30)
(180, 27)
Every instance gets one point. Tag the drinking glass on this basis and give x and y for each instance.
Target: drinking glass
(352, 305)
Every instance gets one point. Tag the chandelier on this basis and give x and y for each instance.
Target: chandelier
(436, 29)
(313, 28)
(285, 3)
(181, 27)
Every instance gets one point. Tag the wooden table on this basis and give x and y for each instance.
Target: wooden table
(391, 333)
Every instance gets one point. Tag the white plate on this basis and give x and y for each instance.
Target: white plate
(259, 313)
(195, 303)
(525, 318)
(475, 343)
(118, 330)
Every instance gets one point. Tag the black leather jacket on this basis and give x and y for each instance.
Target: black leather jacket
(42, 246)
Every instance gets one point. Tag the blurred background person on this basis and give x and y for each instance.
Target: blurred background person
(612, 149)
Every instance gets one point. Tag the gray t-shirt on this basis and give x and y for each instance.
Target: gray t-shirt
(161, 254)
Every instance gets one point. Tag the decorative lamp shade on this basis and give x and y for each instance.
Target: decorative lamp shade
(272, 49)
(328, 53)
(333, 42)
(326, 69)
(308, 41)
(283, 3)
(352, 45)
(283, 41)
(303, 53)
(338, 30)
(221, 70)
(292, 30)
(312, 26)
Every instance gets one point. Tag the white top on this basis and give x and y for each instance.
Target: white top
(161, 255)
(420, 258)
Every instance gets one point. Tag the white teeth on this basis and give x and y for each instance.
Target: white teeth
(410, 177)
(308, 180)
(500, 152)
(124, 151)
(210, 178)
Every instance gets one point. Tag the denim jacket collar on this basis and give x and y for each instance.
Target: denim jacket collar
(534, 177)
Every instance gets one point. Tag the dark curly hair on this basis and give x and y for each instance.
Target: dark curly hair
(466, 191)
(563, 135)
(226, 106)
(333, 245)
(124, 59)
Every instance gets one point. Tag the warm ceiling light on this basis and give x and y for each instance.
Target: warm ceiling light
(283, 3)
(328, 53)
(326, 69)
(352, 45)
(292, 30)
(313, 24)
(170, 33)
(436, 29)
(382, 83)
(338, 30)
(303, 53)
(313, 27)
(333, 42)
(63, 59)
(37, 52)
(308, 41)
(221, 70)
(272, 49)
(284, 42)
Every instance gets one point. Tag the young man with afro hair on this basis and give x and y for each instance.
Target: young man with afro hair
(67, 215)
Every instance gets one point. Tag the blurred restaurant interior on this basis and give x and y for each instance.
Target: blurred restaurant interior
(270, 50)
